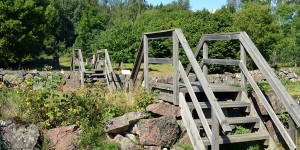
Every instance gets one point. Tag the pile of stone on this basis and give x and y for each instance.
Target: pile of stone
(288, 74)
(28, 137)
(136, 130)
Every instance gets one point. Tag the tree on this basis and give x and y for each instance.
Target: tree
(22, 30)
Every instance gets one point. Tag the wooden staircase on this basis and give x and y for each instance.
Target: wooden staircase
(213, 113)
(101, 71)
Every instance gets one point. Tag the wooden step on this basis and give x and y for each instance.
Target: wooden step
(238, 138)
(232, 120)
(223, 104)
(196, 87)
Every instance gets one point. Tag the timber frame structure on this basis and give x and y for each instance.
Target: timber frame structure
(101, 69)
(205, 98)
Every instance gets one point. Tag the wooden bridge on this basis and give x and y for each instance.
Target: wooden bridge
(101, 70)
(216, 109)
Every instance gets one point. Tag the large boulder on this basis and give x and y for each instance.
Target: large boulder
(14, 136)
(164, 109)
(63, 138)
(121, 124)
(163, 131)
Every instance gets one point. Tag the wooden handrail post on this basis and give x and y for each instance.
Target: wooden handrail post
(175, 68)
(205, 56)
(146, 63)
(243, 59)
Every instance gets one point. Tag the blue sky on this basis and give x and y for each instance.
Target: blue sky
(196, 4)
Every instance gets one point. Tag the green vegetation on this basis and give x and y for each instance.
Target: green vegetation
(31, 28)
(40, 101)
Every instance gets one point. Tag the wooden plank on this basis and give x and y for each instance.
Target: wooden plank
(223, 104)
(190, 124)
(232, 120)
(239, 138)
(292, 130)
(205, 56)
(160, 61)
(195, 102)
(146, 63)
(269, 109)
(159, 34)
(137, 64)
(291, 106)
(221, 36)
(117, 82)
(197, 87)
(215, 127)
(221, 62)
(175, 69)
(243, 59)
(198, 71)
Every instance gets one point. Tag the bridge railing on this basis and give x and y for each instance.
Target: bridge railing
(77, 59)
(247, 46)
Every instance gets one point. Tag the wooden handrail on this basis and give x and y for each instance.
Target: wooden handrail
(290, 105)
(207, 90)
(267, 106)
(195, 102)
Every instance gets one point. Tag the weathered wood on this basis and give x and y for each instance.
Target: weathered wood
(207, 37)
(221, 62)
(205, 56)
(159, 34)
(291, 106)
(117, 82)
(210, 95)
(215, 127)
(188, 121)
(243, 59)
(223, 104)
(195, 102)
(292, 130)
(239, 138)
(160, 61)
(175, 69)
(232, 120)
(221, 36)
(269, 109)
(137, 64)
(146, 63)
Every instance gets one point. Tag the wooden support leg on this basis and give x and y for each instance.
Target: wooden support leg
(215, 132)
(292, 130)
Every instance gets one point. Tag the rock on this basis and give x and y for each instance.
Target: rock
(5, 123)
(63, 137)
(125, 143)
(181, 125)
(273, 100)
(132, 137)
(270, 127)
(163, 131)
(164, 109)
(17, 137)
(122, 123)
(152, 147)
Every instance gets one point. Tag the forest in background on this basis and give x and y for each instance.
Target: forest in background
(29, 28)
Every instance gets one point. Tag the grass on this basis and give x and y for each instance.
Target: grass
(155, 70)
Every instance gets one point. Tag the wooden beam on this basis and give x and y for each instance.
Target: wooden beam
(215, 127)
(221, 36)
(269, 109)
(209, 93)
(243, 59)
(205, 56)
(288, 102)
(159, 34)
(175, 68)
(160, 61)
(195, 102)
(189, 123)
(137, 63)
(221, 62)
(146, 63)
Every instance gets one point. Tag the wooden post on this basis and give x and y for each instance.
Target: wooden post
(292, 130)
(205, 56)
(215, 132)
(175, 69)
(243, 59)
(146, 63)
(73, 61)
